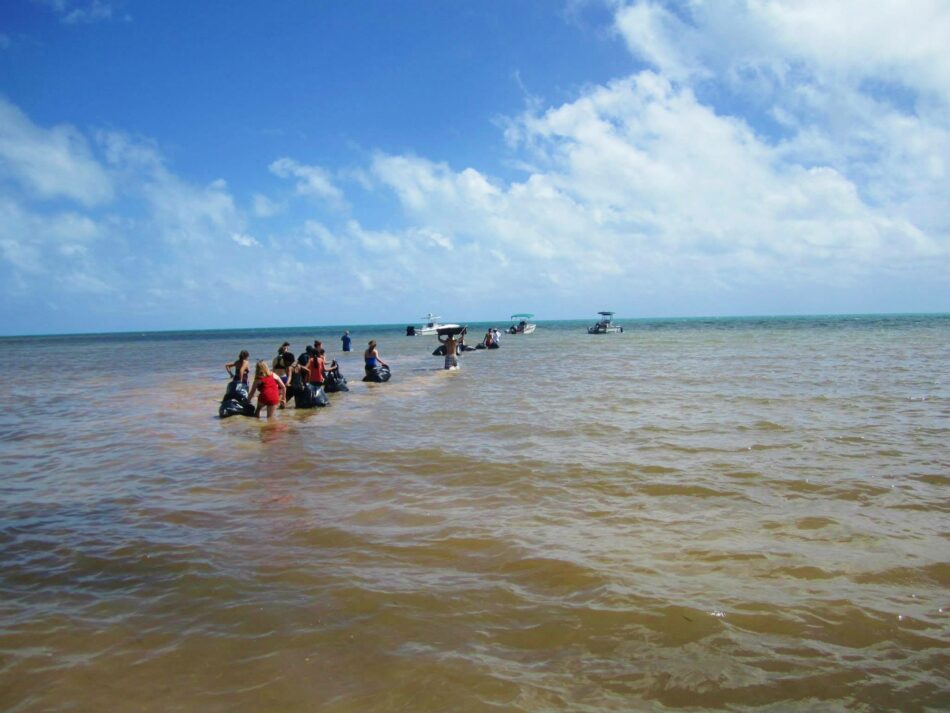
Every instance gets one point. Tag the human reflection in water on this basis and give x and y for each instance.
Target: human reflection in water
(273, 431)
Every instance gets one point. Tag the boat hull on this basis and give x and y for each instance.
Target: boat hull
(426, 331)
(528, 329)
(604, 330)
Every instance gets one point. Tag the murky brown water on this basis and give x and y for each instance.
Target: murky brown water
(726, 515)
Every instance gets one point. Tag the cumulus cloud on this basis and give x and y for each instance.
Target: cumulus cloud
(136, 238)
(311, 180)
(50, 163)
(650, 28)
(643, 177)
(130, 228)
(894, 40)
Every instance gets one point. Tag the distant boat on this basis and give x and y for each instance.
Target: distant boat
(432, 326)
(605, 325)
(522, 326)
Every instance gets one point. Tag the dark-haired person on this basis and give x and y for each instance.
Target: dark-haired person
(284, 371)
(239, 368)
(451, 345)
(317, 367)
(298, 372)
(346, 341)
(279, 359)
(371, 357)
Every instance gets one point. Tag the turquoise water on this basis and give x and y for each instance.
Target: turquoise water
(702, 514)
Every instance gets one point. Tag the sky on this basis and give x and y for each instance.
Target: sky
(182, 165)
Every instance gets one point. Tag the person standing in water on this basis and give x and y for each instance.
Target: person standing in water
(451, 350)
(284, 371)
(279, 359)
(317, 367)
(346, 341)
(239, 368)
(371, 357)
(271, 390)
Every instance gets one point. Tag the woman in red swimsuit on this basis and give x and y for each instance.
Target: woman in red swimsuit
(271, 389)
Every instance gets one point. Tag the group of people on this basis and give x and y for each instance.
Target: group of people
(274, 382)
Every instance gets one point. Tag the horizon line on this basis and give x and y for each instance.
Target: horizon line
(350, 325)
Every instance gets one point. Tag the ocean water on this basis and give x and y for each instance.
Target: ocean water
(694, 515)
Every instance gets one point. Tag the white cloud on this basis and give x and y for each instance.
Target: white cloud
(162, 242)
(182, 214)
(245, 240)
(895, 40)
(264, 207)
(640, 178)
(311, 180)
(50, 163)
(31, 242)
(901, 40)
(648, 29)
(374, 241)
(328, 240)
(431, 238)
(80, 13)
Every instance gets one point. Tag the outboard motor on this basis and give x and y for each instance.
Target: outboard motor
(235, 401)
(378, 374)
(410, 331)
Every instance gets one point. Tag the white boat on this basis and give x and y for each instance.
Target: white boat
(605, 325)
(522, 326)
(432, 326)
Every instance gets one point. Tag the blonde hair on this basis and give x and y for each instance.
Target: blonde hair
(261, 370)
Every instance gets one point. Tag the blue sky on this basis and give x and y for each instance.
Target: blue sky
(190, 165)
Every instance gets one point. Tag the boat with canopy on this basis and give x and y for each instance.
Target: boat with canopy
(520, 324)
(605, 324)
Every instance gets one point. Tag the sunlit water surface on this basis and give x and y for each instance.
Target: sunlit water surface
(692, 515)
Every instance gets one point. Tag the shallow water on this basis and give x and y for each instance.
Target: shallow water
(745, 514)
